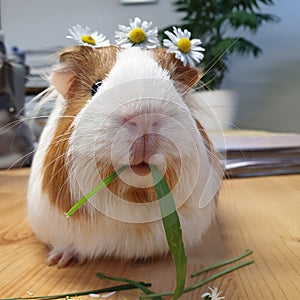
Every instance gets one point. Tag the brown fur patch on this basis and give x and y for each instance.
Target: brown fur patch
(87, 66)
(184, 75)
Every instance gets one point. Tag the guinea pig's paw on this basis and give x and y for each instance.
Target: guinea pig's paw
(63, 257)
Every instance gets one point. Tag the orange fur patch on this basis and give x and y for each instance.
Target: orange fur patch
(87, 66)
(184, 75)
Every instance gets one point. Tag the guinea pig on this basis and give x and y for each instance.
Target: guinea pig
(120, 107)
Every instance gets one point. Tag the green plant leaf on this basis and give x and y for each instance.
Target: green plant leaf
(235, 45)
(213, 22)
(172, 228)
(96, 189)
(249, 20)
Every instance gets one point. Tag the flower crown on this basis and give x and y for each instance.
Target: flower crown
(140, 34)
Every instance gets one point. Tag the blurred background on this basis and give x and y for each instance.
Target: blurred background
(268, 86)
(262, 93)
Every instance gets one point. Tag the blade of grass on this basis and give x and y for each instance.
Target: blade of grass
(95, 190)
(84, 293)
(172, 228)
(219, 274)
(203, 282)
(139, 285)
(222, 263)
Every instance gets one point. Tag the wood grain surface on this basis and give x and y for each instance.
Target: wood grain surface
(262, 214)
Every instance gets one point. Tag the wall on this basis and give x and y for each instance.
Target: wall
(35, 24)
(268, 86)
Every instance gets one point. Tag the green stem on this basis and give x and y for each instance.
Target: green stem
(84, 293)
(203, 282)
(138, 285)
(95, 190)
(172, 228)
(223, 263)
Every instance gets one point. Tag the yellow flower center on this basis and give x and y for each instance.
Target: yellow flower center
(184, 45)
(88, 40)
(137, 35)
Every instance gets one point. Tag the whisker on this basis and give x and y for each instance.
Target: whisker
(8, 67)
(22, 158)
(207, 83)
(210, 66)
(4, 129)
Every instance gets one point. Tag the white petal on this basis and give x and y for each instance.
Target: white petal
(131, 23)
(105, 296)
(153, 32)
(94, 295)
(136, 23)
(124, 28)
(153, 41)
(172, 37)
(197, 56)
(146, 25)
(105, 43)
(186, 34)
(79, 30)
(167, 43)
(180, 33)
(173, 49)
(175, 30)
(125, 45)
(196, 42)
(205, 295)
(190, 61)
(120, 34)
(197, 49)
(182, 57)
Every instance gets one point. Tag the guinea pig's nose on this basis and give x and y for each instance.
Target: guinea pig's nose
(143, 124)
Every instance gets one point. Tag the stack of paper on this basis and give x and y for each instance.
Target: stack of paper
(247, 154)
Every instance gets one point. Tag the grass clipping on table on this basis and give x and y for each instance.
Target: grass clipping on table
(173, 233)
(148, 294)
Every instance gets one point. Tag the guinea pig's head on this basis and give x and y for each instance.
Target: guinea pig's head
(126, 107)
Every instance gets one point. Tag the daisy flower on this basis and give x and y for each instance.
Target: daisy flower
(214, 295)
(185, 49)
(85, 37)
(138, 34)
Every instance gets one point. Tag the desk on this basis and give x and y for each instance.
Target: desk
(262, 214)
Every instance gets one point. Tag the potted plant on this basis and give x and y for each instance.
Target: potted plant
(216, 22)
(220, 24)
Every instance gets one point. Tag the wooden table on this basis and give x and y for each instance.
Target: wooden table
(262, 214)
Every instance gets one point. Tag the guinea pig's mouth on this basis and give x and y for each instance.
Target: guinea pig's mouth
(141, 169)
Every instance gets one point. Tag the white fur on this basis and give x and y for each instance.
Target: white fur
(45, 220)
(136, 85)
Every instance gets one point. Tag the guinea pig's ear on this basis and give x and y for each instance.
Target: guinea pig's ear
(68, 68)
(63, 74)
(80, 67)
(62, 80)
(185, 75)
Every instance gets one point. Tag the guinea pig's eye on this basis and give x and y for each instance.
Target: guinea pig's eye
(95, 87)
